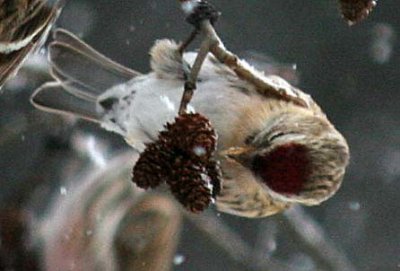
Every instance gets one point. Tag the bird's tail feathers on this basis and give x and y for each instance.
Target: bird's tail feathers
(81, 73)
(72, 60)
(52, 97)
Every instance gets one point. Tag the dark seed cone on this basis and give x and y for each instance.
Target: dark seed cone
(191, 185)
(182, 156)
(193, 135)
(153, 164)
(354, 11)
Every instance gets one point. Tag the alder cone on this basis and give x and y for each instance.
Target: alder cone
(150, 170)
(182, 157)
(195, 184)
(355, 11)
(193, 135)
(190, 184)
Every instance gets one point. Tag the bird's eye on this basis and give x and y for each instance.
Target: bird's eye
(108, 103)
(275, 136)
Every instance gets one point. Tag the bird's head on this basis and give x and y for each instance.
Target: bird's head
(296, 156)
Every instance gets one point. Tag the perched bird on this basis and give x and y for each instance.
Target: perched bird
(24, 25)
(273, 152)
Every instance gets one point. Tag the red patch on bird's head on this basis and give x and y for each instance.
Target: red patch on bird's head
(284, 169)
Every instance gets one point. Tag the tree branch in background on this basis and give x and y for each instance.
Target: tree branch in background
(313, 240)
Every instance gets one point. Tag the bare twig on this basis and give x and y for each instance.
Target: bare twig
(312, 238)
(243, 70)
(233, 245)
(190, 84)
(188, 41)
(266, 242)
(213, 43)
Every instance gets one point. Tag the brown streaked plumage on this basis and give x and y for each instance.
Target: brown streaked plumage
(24, 25)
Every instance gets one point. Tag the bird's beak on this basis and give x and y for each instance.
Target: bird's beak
(241, 155)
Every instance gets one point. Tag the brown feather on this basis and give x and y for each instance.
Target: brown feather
(22, 20)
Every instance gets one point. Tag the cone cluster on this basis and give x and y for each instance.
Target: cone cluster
(183, 158)
(355, 11)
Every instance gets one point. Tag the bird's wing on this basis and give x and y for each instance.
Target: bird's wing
(53, 98)
(75, 62)
(82, 75)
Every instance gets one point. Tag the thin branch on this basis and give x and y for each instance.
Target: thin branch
(190, 84)
(233, 245)
(213, 43)
(265, 243)
(312, 238)
(188, 41)
(243, 70)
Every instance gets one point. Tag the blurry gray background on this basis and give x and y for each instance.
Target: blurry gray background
(352, 72)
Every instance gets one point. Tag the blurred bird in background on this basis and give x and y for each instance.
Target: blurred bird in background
(24, 25)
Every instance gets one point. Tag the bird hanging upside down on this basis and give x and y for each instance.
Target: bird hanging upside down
(274, 152)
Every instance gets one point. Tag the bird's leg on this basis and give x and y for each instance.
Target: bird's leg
(188, 41)
(190, 83)
(182, 48)
(200, 14)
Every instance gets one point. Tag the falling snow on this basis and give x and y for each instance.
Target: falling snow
(354, 206)
(179, 259)
(63, 191)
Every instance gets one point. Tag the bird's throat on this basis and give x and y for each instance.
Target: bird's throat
(285, 169)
